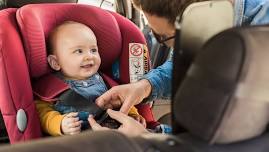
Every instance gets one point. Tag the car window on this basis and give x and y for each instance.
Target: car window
(105, 4)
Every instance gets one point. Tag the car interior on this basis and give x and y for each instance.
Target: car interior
(218, 105)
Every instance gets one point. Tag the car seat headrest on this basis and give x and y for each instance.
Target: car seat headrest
(202, 20)
(37, 20)
(199, 22)
(20, 3)
(224, 97)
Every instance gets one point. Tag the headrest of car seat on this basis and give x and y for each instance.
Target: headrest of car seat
(225, 95)
(37, 20)
(20, 3)
(202, 20)
(199, 22)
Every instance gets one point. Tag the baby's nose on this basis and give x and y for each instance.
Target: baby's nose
(88, 56)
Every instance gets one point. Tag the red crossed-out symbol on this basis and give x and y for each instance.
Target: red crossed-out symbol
(136, 50)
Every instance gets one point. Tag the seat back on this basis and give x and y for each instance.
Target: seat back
(224, 96)
(16, 102)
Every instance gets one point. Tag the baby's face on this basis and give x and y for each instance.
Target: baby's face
(75, 47)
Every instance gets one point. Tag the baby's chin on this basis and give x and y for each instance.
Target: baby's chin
(80, 77)
(90, 74)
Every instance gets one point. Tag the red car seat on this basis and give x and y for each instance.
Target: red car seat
(21, 63)
(114, 34)
(16, 99)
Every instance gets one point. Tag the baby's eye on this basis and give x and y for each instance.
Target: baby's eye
(79, 51)
(93, 50)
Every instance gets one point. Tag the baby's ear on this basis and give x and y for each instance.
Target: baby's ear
(53, 62)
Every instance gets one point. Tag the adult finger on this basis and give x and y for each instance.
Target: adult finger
(143, 122)
(126, 106)
(108, 106)
(119, 116)
(104, 99)
(138, 118)
(116, 102)
(94, 124)
(101, 102)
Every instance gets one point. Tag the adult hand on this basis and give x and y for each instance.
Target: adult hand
(129, 126)
(125, 96)
(70, 124)
(140, 119)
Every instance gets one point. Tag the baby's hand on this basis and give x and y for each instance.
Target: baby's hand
(70, 124)
(140, 119)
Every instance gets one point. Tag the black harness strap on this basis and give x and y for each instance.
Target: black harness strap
(68, 97)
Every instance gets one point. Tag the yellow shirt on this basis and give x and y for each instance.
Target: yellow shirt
(51, 119)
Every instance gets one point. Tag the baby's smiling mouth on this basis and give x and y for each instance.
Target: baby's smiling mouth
(87, 65)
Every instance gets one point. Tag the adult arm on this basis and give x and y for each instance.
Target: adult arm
(155, 84)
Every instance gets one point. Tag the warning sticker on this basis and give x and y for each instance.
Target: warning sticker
(138, 61)
(136, 49)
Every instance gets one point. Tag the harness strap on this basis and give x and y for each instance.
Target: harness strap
(61, 92)
(48, 87)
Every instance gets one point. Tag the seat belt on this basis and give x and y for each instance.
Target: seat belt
(60, 92)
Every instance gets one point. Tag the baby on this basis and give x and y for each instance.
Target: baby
(73, 54)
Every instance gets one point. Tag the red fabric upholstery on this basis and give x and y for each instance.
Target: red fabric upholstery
(43, 88)
(15, 88)
(130, 34)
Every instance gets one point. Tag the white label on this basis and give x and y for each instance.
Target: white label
(138, 61)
